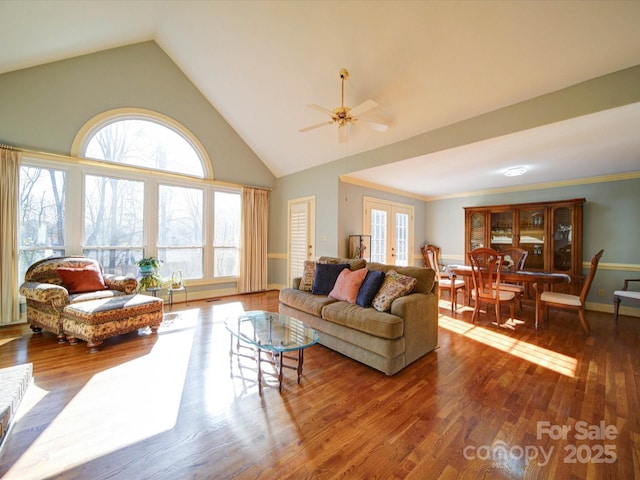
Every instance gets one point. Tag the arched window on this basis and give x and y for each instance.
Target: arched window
(142, 139)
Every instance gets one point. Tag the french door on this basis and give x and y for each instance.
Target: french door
(301, 234)
(390, 225)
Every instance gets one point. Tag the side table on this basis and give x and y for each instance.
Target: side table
(180, 289)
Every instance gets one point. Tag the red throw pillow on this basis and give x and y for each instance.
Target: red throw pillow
(348, 284)
(81, 280)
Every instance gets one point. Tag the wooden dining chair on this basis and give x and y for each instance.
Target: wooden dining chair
(572, 302)
(515, 258)
(449, 283)
(626, 294)
(486, 264)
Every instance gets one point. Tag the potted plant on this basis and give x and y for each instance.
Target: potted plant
(149, 270)
(149, 265)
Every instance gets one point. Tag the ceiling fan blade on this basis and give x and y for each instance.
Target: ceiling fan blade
(379, 127)
(320, 109)
(317, 125)
(363, 107)
(342, 133)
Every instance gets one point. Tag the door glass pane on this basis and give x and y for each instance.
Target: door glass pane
(402, 239)
(378, 235)
(532, 236)
(501, 230)
(562, 239)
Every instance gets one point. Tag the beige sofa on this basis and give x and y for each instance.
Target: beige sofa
(386, 341)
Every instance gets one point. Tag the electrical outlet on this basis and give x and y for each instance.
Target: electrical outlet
(601, 292)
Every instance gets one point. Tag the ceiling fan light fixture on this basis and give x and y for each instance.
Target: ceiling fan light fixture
(342, 115)
(515, 171)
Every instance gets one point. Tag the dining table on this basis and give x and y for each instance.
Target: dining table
(540, 281)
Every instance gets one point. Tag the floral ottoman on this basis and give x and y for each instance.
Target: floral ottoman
(95, 320)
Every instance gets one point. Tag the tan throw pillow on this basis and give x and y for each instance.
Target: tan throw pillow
(348, 284)
(309, 272)
(394, 286)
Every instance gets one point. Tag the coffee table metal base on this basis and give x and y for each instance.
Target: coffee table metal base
(273, 358)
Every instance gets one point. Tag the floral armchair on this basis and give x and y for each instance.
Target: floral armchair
(53, 283)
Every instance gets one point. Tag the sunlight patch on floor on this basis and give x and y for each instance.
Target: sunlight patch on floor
(134, 411)
(239, 377)
(549, 359)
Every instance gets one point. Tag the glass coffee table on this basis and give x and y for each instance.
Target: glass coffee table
(273, 334)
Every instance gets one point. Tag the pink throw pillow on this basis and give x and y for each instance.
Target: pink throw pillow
(81, 280)
(348, 284)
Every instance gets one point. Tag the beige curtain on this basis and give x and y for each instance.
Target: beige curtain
(253, 259)
(9, 184)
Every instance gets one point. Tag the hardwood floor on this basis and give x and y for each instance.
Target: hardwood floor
(488, 403)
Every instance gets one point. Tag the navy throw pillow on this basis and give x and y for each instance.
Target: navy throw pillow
(372, 283)
(326, 276)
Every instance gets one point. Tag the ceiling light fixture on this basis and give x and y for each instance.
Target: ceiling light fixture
(515, 171)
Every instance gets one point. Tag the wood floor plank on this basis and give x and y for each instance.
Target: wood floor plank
(175, 405)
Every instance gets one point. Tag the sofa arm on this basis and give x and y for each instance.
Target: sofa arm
(123, 283)
(420, 314)
(45, 293)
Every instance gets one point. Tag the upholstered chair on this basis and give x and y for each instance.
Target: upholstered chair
(572, 302)
(626, 294)
(53, 283)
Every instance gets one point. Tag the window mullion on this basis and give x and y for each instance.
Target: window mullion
(151, 205)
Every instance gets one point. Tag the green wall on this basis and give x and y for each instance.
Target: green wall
(44, 107)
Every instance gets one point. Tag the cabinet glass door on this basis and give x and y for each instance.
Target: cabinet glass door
(532, 237)
(501, 230)
(476, 235)
(562, 238)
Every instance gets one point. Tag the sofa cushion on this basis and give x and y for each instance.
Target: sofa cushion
(308, 274)
(305, 301)
(367, 320)
(326, 276)
(354, 263)
(347, 285)
(370, 286)
(96, 295)
(84, 279)
(426, 276)
(394, 286)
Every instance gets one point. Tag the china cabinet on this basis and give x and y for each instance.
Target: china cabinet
(550, 231)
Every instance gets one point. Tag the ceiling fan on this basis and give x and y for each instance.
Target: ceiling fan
(344, 115)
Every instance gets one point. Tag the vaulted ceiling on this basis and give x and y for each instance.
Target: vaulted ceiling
(428, 64)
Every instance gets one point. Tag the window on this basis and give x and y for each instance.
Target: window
(42, 215)
(144, 143)
(113, 222)
(180, 237)
(120, 215)
(226, 234)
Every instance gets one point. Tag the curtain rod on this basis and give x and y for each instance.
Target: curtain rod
(67, 157)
